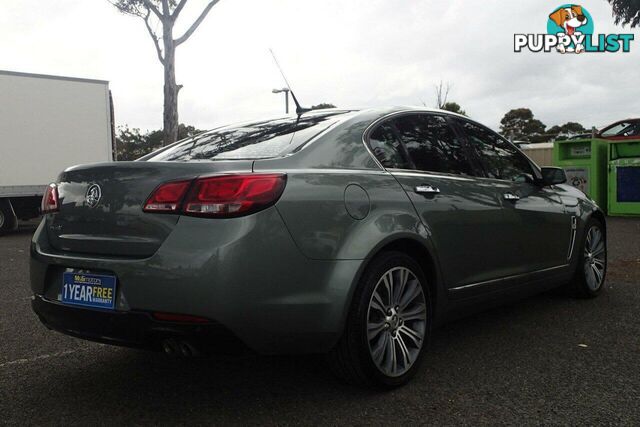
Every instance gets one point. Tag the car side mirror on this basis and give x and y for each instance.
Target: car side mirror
(553, 176)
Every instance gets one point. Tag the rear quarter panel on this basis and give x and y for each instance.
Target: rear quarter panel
(328, 222)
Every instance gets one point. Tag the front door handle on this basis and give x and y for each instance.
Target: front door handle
(510, 197)
(426, 189)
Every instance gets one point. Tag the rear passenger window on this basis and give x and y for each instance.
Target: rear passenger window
(387, 149)
(500, 159)
(432, 145)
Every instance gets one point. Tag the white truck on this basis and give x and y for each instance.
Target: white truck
(47, 123)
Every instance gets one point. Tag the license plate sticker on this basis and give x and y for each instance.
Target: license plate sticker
(89, 290)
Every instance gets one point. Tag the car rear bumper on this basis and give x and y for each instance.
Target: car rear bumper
(246, 274)
(132, 328)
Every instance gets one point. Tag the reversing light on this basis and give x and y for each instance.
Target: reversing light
(50, 200)
(233, 195)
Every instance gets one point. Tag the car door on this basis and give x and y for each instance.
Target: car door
(461, 213)
(536, 223)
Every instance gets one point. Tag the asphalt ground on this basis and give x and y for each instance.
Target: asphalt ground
(545, 360)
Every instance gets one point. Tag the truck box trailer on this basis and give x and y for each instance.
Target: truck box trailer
(47, 123)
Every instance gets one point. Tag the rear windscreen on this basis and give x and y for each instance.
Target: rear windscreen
(258, 140)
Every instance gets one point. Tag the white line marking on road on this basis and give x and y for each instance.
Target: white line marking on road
(36, 358)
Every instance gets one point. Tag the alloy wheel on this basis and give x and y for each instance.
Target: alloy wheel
(396, 321)
(594, 258)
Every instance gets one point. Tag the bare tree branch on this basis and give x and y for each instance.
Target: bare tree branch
(153, 37)
(197, 23)
(152, 8)
(178, 9)
(442, 93)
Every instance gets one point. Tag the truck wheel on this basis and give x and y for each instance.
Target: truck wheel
(8, 220)
(388, 326)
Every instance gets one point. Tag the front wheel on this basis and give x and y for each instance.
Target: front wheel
(592, 262)
(388, 326)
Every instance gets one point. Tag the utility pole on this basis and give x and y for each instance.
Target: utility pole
(286, 97)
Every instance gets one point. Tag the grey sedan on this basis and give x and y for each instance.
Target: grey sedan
(350, 233)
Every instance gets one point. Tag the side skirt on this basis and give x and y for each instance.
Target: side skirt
(506, 283)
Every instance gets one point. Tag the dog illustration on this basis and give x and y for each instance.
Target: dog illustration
(569, 18)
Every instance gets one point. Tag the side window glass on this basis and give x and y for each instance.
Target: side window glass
(499, 158)
(387, 148)
(432, 145)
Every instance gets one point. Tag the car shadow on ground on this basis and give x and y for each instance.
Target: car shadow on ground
(249, 385)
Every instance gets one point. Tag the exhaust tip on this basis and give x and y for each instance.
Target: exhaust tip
(170, 347)
(175, 348)
(188, 350)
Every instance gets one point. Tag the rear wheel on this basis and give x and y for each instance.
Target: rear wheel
(592, 262)
(388, 326)
(8, 220)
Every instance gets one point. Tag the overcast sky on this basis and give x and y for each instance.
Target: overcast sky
(352, 53)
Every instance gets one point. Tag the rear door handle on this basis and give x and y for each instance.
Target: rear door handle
(510, 197)
(426, 189)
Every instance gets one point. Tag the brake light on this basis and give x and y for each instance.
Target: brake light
(50, 200)
(167, 197)
(222, 196)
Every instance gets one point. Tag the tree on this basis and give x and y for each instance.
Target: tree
(454, 107)
(132, 144)
(442, 93)
(520, 125)
(626, 12)
(322, 106)
(167, 13)
(565, 131)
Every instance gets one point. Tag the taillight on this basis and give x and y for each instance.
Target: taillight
(167, 197)
(50, 200)
(233, 195)
(222, 196)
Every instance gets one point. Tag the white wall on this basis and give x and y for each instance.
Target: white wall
(49, 124)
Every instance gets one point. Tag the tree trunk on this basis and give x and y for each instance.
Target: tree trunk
(170, 114)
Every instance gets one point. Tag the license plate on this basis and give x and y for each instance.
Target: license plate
(89, 290)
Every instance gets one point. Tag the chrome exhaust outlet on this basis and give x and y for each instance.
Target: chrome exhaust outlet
(171, 347)
(188, 350)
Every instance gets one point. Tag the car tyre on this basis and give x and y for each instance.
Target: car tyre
(591, 269)
(8, 220)
(387, 332)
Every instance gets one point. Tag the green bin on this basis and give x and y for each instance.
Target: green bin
(585, 162)
(624, 177)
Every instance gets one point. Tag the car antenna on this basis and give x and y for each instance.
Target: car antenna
(299, 110)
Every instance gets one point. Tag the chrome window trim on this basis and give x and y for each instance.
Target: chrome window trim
(340, 171)
(418, 173)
